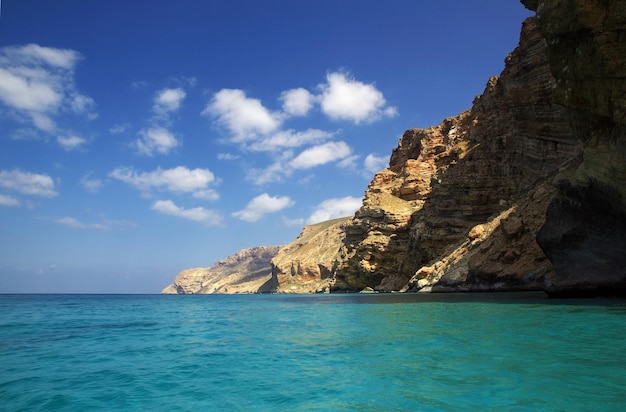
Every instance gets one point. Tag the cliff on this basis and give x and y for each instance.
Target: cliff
(460, 205)
(526, 190)
(247, 271)
(308, 264)
(584, 234)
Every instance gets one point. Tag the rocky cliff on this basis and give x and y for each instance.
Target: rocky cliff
(524, 191)
(306, 265)
(584, 234)
(247, 271)
(460, 205)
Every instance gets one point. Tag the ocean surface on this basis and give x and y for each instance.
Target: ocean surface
(387, 352)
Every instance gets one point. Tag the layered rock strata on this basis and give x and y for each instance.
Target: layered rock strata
(308, 264)
(584, 234)
(524, 191)
(247, 271)
(419, 224)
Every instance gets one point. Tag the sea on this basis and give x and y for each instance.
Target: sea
(328, 352)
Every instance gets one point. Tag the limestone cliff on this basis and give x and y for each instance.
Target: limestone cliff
(247, 271)
(526, 190)
(584, 234)
(461, 203)
(308, 264)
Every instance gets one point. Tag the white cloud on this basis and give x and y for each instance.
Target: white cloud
(70, 142)
(27, 183)
(263, 205)
(348, 99)
(8, 201)
(104, 224)
(334, 208)
(290, 138)
(91, 185)
(76, 224)
(83, 104)
(227, 156)
(374, 164)
(244, 117)
(156, 140)
(297, 102)
(198, 214)
(206, 194)
(168, 100)
(38, 82)
(321, 154)
(178, 180)
(119, 128)
(273, 173)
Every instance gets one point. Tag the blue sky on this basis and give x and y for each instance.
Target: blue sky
(138, 139)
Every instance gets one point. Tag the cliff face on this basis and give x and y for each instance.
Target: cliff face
(460, 204)
(524, 191)
(308, 264)
(584, 234)
(247, 271)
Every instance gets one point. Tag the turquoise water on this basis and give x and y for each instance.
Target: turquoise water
(514, 352)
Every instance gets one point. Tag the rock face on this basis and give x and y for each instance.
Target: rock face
(584, 234)
(524, 191)
(308, 264)
(461, 203)
(247, 271)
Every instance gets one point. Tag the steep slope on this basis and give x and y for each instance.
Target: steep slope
(481, 167)
(526, 190)
(307, 265)
(585, 230)
(247, 271)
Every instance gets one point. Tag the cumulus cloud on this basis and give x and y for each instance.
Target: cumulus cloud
(70, 142)
(245, 118)
(290, 138)
(27, 183)
(344, 98)
(91, 184)
(38, 82)
(374, 164)
(8, 201)
(168, 101)
(197, 214)
(156, 140)
(321, 154)
(334, 208)
(273, 173)
(178, 180)
(262, 205)
(297, 102)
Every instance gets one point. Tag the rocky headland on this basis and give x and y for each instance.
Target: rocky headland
(526, 190)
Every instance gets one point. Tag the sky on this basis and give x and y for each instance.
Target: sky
(142, 138)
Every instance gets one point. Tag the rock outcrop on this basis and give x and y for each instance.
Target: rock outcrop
(584, 234)
(247, 271)
(460, 204)
(308, 264)
(524, 191)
